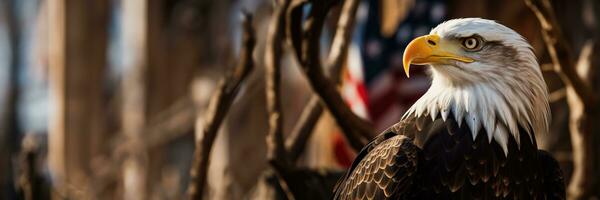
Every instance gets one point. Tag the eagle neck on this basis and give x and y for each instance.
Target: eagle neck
(495, 108)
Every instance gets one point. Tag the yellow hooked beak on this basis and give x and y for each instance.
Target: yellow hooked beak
(429, 49)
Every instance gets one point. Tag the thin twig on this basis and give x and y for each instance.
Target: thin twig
(217, 109)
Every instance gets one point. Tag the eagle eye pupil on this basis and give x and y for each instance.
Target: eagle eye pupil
(471, 43)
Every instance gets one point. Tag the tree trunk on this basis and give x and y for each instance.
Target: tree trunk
(77, 60)
(8, 111)
(135, 36)
(173, 55)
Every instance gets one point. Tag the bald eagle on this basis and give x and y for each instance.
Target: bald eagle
(472, 134)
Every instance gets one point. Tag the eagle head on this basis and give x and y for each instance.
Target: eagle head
(483, 73)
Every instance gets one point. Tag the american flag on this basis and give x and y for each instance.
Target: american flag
(375, 86)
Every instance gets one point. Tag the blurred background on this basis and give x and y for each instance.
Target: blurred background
(102, 99)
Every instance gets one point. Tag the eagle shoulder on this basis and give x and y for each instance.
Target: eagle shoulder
(383, 169)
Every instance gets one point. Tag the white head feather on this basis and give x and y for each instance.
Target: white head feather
(499, 92)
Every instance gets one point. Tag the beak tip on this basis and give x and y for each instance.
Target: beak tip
(407, 69)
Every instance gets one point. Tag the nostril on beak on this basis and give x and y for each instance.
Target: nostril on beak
(431, 42)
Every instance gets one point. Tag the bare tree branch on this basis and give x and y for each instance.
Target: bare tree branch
(276, 149)
(294, 26)
(582, 123)
(339, 50)
(219, 105)
(304, 128)
(276, 152)
(559, 51)
(342, 38)
(357, 131)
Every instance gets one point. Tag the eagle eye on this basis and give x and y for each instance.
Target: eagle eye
(472, 43)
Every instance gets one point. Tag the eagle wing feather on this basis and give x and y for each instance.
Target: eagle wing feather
(386, 169)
